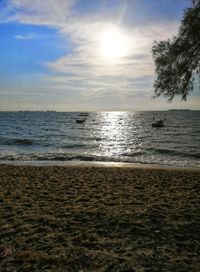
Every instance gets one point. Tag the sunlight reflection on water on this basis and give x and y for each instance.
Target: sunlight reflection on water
(117, 134)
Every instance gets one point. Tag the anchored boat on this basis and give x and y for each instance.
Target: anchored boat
(159, 123)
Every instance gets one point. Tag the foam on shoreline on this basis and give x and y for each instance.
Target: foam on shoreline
(97, 164)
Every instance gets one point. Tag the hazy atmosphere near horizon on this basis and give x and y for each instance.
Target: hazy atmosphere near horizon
(84, 55)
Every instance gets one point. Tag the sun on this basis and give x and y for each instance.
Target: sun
(113, 44)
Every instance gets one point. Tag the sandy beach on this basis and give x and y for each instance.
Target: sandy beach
(92, 218)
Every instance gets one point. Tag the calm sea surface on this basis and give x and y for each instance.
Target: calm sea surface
(104, 136)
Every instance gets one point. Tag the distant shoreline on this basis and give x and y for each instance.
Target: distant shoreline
(90, 111)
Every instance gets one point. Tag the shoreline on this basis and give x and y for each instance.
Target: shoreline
(98, 164)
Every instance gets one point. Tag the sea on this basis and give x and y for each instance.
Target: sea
(123, 137)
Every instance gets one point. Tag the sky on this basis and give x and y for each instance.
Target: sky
(85, 55)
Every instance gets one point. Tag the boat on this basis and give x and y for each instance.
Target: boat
(80, 121)
(159, 123)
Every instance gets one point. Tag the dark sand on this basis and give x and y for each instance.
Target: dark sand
(98, 219)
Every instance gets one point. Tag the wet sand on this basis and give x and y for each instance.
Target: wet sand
(92, 218)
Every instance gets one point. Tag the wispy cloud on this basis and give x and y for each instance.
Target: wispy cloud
(46, 12)
(29, 36)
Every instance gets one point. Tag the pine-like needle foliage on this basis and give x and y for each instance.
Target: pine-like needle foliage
(177, 61)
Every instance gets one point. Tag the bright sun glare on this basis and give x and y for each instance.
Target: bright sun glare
(113, 44)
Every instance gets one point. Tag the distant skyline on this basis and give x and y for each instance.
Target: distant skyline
(85, 55)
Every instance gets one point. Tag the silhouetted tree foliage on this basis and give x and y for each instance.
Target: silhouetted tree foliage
(177, 60)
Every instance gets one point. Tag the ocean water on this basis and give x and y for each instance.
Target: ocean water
(103, 137)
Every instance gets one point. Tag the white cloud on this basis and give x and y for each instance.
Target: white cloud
(83, 72)
(86, 67)
(40, 12)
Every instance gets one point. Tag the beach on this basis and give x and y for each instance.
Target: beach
(98, 218)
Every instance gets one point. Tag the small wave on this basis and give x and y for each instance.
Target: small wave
(175, 153)
(55, 157)
(74, 146)
(72, 158)
(19, 142)
(165, 151)
(93, 139)
(195, 156)
(134, 154)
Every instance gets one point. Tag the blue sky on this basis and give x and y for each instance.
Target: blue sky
(70, 55)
